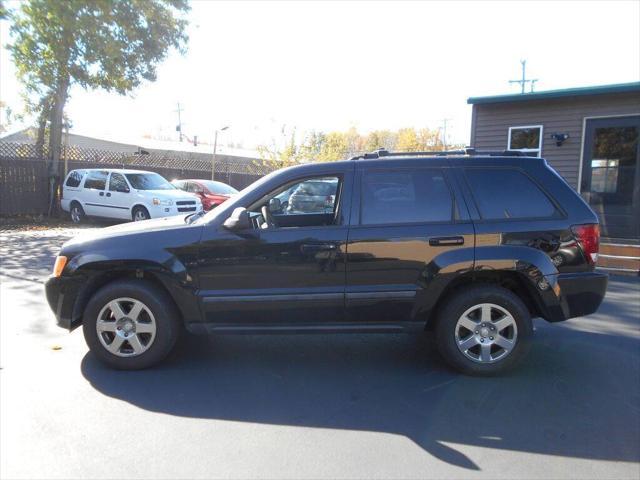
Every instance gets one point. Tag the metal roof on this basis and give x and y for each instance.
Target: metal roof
(567, 92)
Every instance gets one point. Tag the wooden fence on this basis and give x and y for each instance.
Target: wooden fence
(24, 184)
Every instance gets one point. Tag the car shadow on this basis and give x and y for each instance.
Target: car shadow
(577, 394)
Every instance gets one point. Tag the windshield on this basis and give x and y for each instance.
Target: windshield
(148, 181)
(218, 187)
(214, 212)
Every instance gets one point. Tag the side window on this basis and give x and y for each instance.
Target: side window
(117, 183)
(96, 180)
(405, 196)
(306, 203)
(74, 178)
(508, 193)
(526, 139)
(179, 184)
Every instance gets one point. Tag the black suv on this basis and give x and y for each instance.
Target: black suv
(470, 246)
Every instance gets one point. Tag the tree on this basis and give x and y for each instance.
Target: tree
(3, 11)
(110, 44)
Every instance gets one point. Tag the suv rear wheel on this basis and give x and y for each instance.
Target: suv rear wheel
(484, 330)
(129, 325)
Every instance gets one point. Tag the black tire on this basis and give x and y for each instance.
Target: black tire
(76, 213)
(454, 308)
(167, 326)
(140, 213)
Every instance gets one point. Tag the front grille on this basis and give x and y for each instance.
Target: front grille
(186, 202)
(186, 209)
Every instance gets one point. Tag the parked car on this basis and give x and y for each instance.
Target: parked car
(210, 192)
(314, 196)
(459, 245)
(124, 194)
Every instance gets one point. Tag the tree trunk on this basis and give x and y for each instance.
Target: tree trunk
(42, 127)
(55, 141)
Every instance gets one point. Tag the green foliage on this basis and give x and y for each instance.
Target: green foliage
(4, 13)
(109, 44)
(332, 146)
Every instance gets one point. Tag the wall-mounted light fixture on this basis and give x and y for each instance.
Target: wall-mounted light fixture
(559, 138)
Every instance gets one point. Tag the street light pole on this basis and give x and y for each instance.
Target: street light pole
(215, 148)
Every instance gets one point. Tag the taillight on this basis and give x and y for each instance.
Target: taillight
(588, 236)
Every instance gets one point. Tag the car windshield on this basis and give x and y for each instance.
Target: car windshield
(218, 187)
(148, 181)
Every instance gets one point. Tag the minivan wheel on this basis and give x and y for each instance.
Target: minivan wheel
(130, 325)
(76, 213)
(484, 330)
(139, 214)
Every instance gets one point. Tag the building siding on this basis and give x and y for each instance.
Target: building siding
(490, 124)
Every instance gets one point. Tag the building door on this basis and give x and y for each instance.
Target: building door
(611, 175)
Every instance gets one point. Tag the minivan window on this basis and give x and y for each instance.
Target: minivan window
(507, 193)
(409, 196)
(117, 183)
(74, 178)
(96, 180)
(148, 181)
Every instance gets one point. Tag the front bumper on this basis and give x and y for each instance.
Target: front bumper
(62, 295)
(574, 295)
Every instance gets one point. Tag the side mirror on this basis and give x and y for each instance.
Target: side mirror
(239, 220)
(275, 206)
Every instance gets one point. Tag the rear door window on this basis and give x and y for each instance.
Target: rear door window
(503, 193)
(96, 180)
(74, 179)
(405, 196)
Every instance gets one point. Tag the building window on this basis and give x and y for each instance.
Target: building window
(526, 139)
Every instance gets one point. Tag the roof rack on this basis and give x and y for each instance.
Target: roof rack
(467, 151)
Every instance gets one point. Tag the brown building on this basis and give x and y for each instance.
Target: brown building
(589, 135)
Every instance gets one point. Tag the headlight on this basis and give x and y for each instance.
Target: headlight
(157, 201)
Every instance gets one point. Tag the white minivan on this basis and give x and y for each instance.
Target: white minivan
(124, 194)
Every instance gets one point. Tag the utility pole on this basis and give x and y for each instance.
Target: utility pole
(524, 79)
(179, 126)
(215, 148)
(444, 132)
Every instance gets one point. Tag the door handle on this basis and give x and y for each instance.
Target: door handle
(317, 247)
(444, 241)
(101, 194)
(108, 194)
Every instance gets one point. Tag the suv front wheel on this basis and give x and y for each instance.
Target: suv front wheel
(484, 330)
(130, 325)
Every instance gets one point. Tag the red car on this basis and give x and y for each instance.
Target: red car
(211, 193)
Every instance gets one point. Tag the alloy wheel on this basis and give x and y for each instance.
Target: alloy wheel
(126, 327)
(486, 333)
(76, 216)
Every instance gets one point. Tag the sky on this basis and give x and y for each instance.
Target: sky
(262, 68)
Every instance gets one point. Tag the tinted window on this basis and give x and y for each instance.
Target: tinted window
(508, 193)
(96, 180)
(405, 197)
(117, 183)
(74, 178)
(148, 181)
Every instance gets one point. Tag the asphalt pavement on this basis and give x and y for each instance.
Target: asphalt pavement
(311, 406)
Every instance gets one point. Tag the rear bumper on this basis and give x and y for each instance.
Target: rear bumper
(574, 295)
(62, 293)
